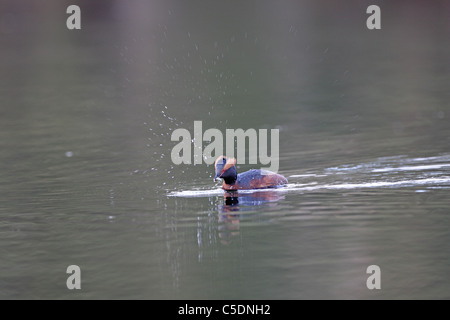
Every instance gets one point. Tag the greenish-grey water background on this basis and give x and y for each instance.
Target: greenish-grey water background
(86, 176)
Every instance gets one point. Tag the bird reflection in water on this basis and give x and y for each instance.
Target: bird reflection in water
(235, 204)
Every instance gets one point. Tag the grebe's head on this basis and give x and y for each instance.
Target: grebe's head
(225, 169)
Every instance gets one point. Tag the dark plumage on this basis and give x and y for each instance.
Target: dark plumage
(252, 179)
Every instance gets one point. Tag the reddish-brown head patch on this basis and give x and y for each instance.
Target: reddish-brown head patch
(228, 164)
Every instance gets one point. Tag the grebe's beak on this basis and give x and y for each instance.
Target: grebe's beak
(218, 176)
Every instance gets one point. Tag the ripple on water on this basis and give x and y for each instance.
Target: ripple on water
(387, 172)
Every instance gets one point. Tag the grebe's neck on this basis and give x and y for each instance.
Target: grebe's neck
(230, 180)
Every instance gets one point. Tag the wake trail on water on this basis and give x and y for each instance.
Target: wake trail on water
(388, 172)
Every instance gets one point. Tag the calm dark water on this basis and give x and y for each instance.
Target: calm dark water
(86, 176)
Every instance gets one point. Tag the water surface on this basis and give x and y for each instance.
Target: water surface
(86, 176)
